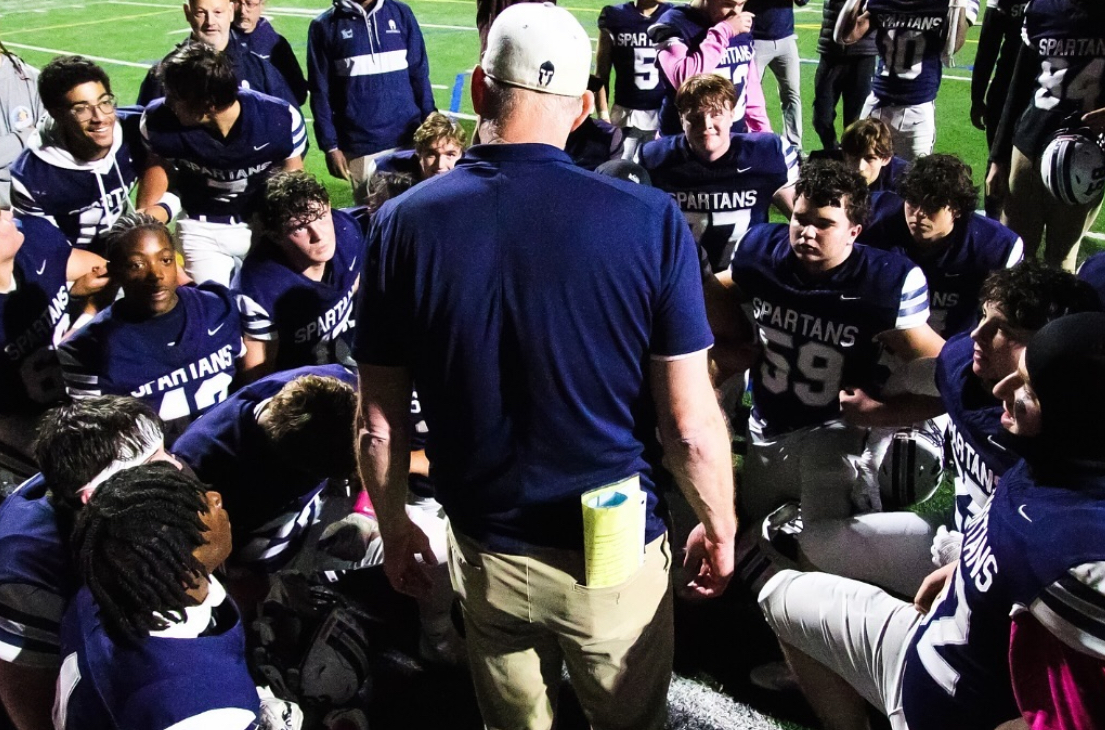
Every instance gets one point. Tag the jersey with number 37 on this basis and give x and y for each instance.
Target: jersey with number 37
(910, 35)
(636, 76)
(181, 363)
(818, 336)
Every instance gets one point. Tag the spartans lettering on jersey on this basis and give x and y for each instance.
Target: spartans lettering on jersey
(632, 40)
(737, 54)
(731, 200)
(969, 463)
(911, 22)
(216, 362)
(806, 325)
(1072, 47)
(977, 559)
(329, 325)
(224, 175)
(42, 329)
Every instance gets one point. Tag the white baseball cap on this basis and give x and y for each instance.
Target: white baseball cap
(541, 47)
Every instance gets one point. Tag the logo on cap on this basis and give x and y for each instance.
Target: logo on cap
(545, 73)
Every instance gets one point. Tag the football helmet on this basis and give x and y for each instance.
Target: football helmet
(1073, 166)
(911, 468)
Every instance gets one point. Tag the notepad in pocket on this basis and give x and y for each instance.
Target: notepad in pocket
(613, 532)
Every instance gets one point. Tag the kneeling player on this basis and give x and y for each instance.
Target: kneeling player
(868, 146)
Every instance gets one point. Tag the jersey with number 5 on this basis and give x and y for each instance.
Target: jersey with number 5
(818, 336)
(910, 35)
(636, 76)
(1018, 553)
(1070, 40)
(689, 26)
(181, 362)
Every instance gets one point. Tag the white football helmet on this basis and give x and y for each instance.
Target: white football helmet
(911, 468)
(1073, 167)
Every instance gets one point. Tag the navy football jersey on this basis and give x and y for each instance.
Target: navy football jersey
(32, 318)
(306, 317)
(955, 268)
(36, 577)
(1019, 550)
(721, 199)
(270, 504)
(818, 336)
(594, 142)
(978, 443)
(222, 177)
(633, 58)
(181, 363)
(889, 175)
(162, 681)
(81, 198)
(689, 25)
(1092, 271)
(400, 161)
(910, 35)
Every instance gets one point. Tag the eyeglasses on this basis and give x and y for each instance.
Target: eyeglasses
(83, 112)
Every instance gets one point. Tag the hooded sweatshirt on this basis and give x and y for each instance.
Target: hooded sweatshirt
(369, 77)
(82, 198)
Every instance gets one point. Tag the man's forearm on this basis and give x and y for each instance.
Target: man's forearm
(703, 468)
(383, 468)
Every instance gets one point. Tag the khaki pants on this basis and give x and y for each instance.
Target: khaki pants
(525, 616)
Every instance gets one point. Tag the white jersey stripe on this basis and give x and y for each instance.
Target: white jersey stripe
(372, 64)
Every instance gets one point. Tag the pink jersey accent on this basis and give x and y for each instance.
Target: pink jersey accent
(1057, 687)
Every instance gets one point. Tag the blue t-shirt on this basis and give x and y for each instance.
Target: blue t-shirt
(311, 320)
(1019, 550)
(954, 268)
(690, 26)
(910, 35)
(979, 445)
(181, 363)
(633, 57)
(721, 199)
(218, 176)
(819, 335)
(529, 331)
(37, 578)
(32, 318)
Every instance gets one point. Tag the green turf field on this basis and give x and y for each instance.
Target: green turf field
(126, 36)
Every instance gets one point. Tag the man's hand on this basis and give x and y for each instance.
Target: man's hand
(932, 586)
(707, 567)
(978, 115)
(404, 544)
(740, 22)
(997, 182)
(337, 164)
(859, 408)
(92, 282)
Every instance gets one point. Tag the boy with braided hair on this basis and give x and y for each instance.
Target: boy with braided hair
(152, 626)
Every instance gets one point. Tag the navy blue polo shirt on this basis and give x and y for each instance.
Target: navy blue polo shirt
(527, 296)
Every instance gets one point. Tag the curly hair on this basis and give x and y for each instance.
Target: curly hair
(62, 74)
(1030, 294)
(134, 543)
(865, 136)
(291, 199)
(832, 183)
(705, 90)
(385, 185)
(310, 422)
(438, 127)
(939, 181)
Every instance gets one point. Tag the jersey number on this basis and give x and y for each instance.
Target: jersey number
(645, 75)
(1085, 87)
(948, 631)
(174, 403)
(815, 379)
(903, 53)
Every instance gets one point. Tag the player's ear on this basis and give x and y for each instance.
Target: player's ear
(588, 107)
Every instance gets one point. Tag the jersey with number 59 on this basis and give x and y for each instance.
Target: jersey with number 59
(181, 363)
(636, 76)
(1023, 551)
(910, 35)
(818, 336)
(1069, 37)
(687, 25)
(721, 199)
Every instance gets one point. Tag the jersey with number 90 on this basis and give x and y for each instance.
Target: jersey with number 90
(910, 35)
(636, 75)
(181, 362)
(819, 336)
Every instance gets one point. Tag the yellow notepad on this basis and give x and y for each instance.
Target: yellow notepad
(613, 532)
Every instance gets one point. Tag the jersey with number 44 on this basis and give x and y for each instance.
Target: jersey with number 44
(819, 335)
(910, 35)
(1070, 40)
(636, 77)
(1018, 553)
(181, 363)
